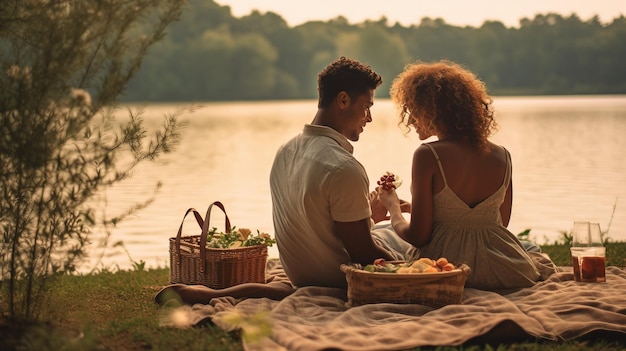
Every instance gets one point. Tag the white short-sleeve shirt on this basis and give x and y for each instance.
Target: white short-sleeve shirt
(314, 180)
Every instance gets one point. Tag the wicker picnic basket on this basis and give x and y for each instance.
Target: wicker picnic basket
(192, 262)
(431, 289)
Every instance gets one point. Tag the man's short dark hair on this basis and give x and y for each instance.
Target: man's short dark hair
(347, 75)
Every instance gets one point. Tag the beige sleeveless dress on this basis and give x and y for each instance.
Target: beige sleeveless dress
(475, 236)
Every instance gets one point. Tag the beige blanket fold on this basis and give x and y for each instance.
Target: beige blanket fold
(315, 318)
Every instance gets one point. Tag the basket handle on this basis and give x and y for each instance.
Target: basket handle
(180, 229)
(205, 232)
(466, 269)
(349, 268)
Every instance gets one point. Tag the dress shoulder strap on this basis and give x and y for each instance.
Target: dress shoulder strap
(443, 175)
(509, 166)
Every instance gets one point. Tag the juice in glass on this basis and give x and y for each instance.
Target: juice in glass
(592, 269)
(589, 264)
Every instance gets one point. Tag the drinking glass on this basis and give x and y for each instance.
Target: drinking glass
(595, 235)
(581, 234)
(588, 253)
(598, 261)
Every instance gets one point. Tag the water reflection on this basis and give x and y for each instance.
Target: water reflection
(568, 164)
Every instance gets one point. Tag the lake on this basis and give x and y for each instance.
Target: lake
(568, 152)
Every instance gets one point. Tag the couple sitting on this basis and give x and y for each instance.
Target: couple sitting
(325, 215)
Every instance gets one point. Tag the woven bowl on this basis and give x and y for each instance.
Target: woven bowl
(430, 289)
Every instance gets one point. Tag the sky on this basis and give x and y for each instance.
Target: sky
(406, 12)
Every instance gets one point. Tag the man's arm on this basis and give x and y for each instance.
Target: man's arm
(357, 239)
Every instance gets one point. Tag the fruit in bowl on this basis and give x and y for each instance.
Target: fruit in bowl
(422, 265)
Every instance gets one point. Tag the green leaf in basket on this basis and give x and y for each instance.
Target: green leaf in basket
(370, 268)
(237, 238)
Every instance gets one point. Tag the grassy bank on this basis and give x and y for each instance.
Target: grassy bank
(115, 311)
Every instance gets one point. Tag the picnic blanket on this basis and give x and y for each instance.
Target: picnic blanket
(317, 318)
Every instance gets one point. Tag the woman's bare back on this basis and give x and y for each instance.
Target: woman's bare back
(472, 174)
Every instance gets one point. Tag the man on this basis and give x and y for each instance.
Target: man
(320, 192)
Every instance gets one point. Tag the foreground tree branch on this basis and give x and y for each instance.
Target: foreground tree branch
(63, 65)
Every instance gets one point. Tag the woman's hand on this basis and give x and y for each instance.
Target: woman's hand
(388, 198)
(381, 201)
(396, 206)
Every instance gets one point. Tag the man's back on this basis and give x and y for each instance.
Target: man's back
(314, 181)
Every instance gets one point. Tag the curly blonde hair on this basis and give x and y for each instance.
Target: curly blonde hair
(445, 99)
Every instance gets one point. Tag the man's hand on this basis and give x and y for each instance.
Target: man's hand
(379, 211)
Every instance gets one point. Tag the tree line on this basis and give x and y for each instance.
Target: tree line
(209, 55)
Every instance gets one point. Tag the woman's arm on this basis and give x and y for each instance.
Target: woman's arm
(507, 205)
(417, 231)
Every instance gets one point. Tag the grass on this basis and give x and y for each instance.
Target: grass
(115, 311)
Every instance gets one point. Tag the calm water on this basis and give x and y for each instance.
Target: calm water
(569, 163)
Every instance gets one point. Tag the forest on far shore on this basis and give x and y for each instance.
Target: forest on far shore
(210, 55)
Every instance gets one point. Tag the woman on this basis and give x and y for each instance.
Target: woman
(461, 184)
